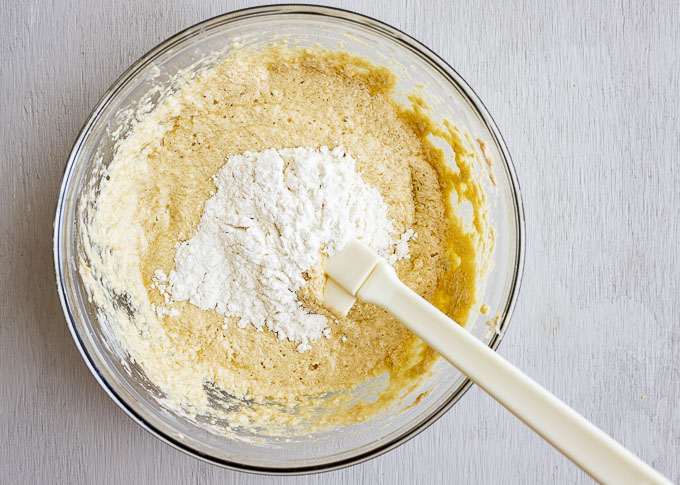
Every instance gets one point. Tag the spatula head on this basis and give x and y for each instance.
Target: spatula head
(347, 270)
(337, 300)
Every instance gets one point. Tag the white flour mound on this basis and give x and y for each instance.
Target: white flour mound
(273, 214)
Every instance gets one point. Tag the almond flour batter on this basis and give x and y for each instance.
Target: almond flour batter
(154, 193)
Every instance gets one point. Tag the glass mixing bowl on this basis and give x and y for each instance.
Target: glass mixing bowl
(413, 64)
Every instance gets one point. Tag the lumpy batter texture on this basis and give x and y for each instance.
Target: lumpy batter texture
(153, 194)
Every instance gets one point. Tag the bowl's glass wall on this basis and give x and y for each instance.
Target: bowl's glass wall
(308, 26)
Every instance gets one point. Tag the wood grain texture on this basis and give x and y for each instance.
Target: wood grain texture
(587, 95)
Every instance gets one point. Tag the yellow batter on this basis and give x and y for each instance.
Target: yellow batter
(153, 195)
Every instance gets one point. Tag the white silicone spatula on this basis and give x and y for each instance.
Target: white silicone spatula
(357, 271)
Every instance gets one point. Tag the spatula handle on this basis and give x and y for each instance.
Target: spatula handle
(586, 445)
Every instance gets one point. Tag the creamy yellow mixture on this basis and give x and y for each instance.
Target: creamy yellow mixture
(153, 194)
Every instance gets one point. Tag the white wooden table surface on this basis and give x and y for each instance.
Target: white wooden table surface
(588, 98)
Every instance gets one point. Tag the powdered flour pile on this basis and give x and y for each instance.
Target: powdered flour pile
(274, 214)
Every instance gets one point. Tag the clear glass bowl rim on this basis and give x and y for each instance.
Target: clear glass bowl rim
(380, 28)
